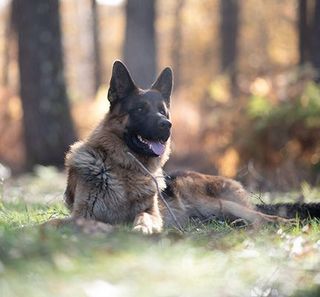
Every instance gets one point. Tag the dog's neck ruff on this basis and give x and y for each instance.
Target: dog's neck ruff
(115, 149)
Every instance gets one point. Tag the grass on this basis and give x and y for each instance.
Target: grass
(208, 260)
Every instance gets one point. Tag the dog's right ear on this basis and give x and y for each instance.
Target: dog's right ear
(164, 84)
(121, 83)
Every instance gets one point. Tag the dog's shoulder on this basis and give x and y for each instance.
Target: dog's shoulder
(87, 162)
(82, 155)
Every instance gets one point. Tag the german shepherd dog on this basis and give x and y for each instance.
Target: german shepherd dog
(106, 177)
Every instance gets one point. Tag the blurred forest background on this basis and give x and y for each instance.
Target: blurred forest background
(246, 101)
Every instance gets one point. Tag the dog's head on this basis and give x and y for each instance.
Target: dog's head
(148, 126)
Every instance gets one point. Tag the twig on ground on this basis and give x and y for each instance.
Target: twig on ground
(179, 227)
(258, 197)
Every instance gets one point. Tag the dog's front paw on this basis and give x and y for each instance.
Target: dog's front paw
(147, 224)
(145, 229)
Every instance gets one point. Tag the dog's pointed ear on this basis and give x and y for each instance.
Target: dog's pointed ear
(164, 84)
(121, 83)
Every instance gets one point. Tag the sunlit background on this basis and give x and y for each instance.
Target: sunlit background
(246, 102)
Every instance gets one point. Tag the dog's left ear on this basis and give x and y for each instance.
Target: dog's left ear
(121, 83)
(164, 84)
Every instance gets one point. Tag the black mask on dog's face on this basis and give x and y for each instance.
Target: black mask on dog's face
(148, 127)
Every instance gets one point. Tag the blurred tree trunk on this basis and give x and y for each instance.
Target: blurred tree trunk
(85, 74)
(309, 32)
(304, 27)
(229, 27)
(48, 128)
(177, 42)
(316, 41)
(139, 45)
(6, 50)
(96, 44)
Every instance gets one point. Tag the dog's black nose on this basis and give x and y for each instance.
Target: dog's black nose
(165, 124)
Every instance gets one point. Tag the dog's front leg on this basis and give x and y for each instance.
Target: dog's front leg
(149, 221)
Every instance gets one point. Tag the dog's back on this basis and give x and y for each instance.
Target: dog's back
(194, 195)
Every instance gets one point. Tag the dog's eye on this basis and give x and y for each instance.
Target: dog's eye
(163, 112)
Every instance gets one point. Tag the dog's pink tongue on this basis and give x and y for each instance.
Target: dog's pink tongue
(157, 147)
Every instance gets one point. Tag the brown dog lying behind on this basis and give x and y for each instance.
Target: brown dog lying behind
(107, 184)
(194, 195)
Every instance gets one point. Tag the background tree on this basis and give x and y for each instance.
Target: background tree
(177, 42)
(96, 44)
(48, 129)
(229, 27)
(304, 31)
(316, 41)
(309, 32)
(6, 50)
(140, 43)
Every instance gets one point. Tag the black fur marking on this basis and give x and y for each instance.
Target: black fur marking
(121, 84)
(98, 178)
(148, 118)
(164, 84)
(148, 126)
(173, 175)
(91, 168)
(168, 191)
(211, 190)
(291, 210)
(94, 201)
(170, 180)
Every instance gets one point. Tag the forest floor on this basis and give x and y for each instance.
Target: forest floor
(208, 260)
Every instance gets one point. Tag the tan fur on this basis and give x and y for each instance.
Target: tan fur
(105, 184)
(204, 196)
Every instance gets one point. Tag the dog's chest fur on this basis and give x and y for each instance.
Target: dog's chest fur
(110, 191)
(122, 195)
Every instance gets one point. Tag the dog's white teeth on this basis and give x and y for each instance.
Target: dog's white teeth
(142, 140)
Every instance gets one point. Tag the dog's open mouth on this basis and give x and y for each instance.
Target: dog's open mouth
(156, 146)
